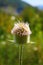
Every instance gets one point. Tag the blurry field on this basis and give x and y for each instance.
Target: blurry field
(9, 51)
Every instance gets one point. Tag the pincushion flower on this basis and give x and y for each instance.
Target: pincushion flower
(22, 30)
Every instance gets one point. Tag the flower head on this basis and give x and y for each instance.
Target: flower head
(22, 32)
(21, 28)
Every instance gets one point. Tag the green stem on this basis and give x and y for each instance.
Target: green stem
(20, 54)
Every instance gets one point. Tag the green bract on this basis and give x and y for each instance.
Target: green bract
(20, 39)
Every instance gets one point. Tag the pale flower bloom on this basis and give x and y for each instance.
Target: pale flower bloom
(21, 28)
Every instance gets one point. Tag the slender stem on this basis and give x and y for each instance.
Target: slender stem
(20, 54)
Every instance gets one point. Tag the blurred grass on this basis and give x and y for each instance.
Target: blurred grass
(32, 53)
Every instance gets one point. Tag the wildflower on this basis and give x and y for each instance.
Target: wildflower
(22, 31)
(22, 28)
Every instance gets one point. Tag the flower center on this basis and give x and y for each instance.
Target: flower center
(20, 31)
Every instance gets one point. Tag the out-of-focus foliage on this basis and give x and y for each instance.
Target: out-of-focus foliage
(32, 53)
